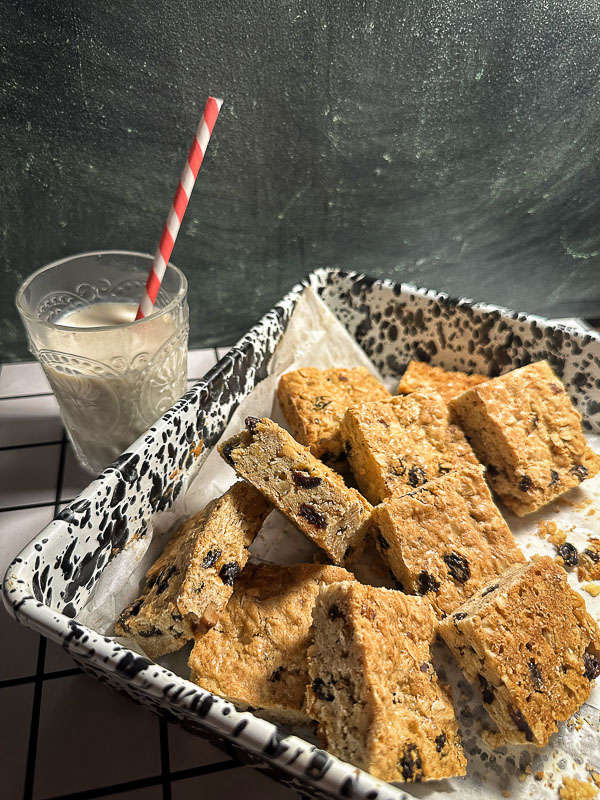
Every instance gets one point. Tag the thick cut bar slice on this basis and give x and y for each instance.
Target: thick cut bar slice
(373, 688)
(314, 401)
(446, 539)
(256, 655)
(398, 444)
(527, 641)
(523, 426)
(446, 383)
(189, 585)
(310, 494)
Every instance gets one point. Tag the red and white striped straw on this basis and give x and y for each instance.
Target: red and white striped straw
(179, 205)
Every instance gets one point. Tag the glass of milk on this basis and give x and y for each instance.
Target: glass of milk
(112, 376)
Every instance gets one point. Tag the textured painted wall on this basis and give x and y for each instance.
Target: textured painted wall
(452, 143)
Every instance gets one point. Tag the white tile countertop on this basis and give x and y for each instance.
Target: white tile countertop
(51, 711)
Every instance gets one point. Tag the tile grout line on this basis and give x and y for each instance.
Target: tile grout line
(165, 761)
(50, 393)
(25, 396)
(212, 350)
(30, 361)
(26, 506)
(61, 472)
(35, 721)
(154, 780)
(5, 447)
(48, 676)
(39, 673)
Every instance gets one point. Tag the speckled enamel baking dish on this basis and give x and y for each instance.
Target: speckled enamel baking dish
(49, 582)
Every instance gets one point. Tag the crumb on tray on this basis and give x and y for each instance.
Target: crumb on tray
(548, 529)
(592, 588)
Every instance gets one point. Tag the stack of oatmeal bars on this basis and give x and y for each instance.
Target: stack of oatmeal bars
(399, 493)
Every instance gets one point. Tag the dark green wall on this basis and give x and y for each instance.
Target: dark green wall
(452, 143)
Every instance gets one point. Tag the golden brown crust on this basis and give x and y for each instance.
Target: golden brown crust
(398, 444)
(309, 493)
(373, 688)
(527, 641)
(314, 400)
(524, 427)
(256, 654)
(589, 561)
(446, 539)
(188, 586)
(448, 383)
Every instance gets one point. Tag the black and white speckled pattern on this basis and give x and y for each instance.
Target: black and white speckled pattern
(50, 581)
(396, 322)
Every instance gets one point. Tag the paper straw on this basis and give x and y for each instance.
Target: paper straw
(179, 205)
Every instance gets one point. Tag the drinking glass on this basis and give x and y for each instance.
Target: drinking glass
(111, 382)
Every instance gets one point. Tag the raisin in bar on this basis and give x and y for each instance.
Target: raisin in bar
(189, 585)
(373, 688)
(398, 444)
(256, 655)
(527, 641)
(310, 494)
(448, 384)
(446, 538)
(314, 400)
(523, 426)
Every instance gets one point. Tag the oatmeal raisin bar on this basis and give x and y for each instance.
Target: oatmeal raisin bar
(447, 383)
(398, 444)
(523, 426)
(314, 400)
(310, 494)
(446, 539)
(373, 688)
(189, 585)
(527, 641)
(256, 655)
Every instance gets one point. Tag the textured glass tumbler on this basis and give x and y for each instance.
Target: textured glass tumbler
(111, 382)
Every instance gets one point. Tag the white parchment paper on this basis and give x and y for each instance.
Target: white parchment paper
(314, 337)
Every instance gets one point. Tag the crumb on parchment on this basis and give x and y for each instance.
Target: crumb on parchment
(573, 789)
(592, 588)
(575, 722)
(587, 560)
(548, 529)
(525, 773)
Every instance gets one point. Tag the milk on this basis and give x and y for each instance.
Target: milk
(112, 378)
(99, 315)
